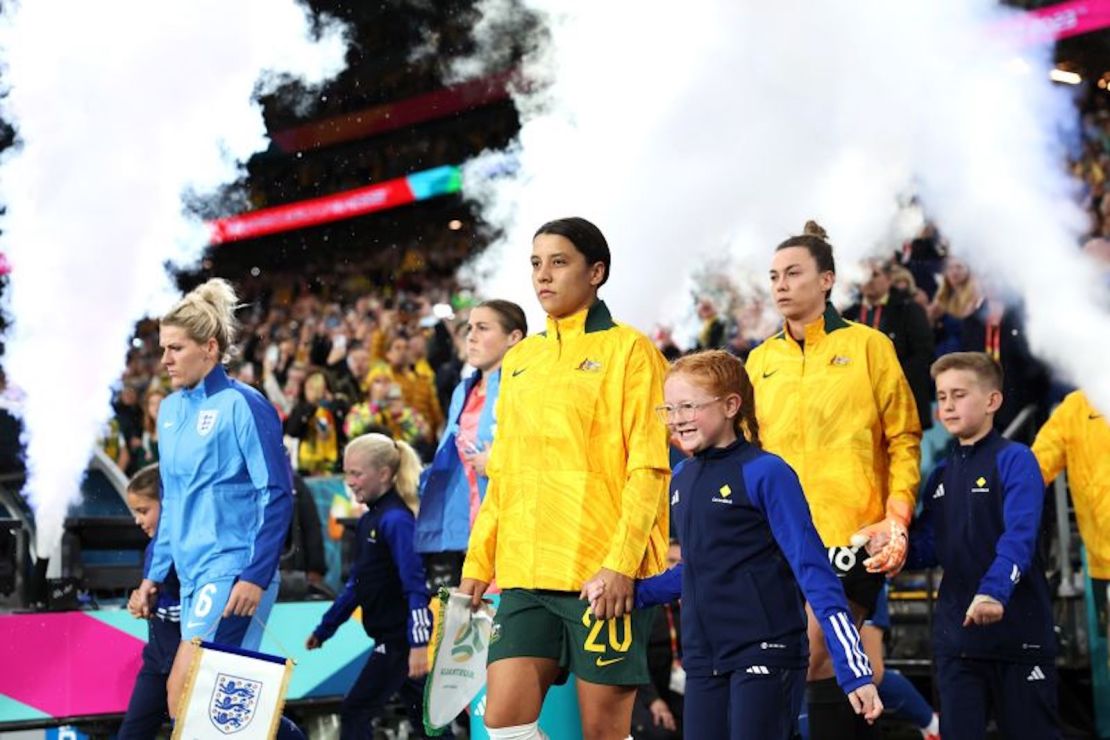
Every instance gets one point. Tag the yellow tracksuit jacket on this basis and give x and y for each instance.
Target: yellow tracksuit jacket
(1077, 437)
(841, 413)
(579, 468)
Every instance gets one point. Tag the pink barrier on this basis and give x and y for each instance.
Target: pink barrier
(67, 664)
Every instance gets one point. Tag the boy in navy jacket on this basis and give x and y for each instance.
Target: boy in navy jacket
(993, 640)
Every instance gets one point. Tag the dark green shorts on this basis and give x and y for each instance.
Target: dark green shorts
(558, 625)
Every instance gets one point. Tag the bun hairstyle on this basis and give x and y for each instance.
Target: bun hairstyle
(815, 240)
(208, 312)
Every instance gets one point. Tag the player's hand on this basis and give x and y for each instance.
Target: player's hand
(865, 701)
(313, 642)
(592, 590)
(135, 604)
(478, 461)
(887, 543)
(984, 610)
(475, 589)
(661, 715)
(418, 662)
(244, 600)
(616, 597)
(146, 596)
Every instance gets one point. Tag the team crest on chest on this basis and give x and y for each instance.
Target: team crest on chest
(206, 422)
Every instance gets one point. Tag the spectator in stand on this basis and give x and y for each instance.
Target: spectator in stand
(417, 390)
(894, 313)
(924, 258)
(903, 280)
(114, 445)
(999, 330)
(349, 372)
(455, 485)
(664, 342)
(312, 423)
(130, 413)
(955, 300)
(385, 408)
(450, 373)
(146, 452)
(712, 334)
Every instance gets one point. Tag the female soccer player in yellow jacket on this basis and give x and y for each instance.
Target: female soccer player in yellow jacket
(1077, 437)
(832, 400)
(578, 476)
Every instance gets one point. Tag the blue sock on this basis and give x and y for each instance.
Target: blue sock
(902, 697)
(289, 731)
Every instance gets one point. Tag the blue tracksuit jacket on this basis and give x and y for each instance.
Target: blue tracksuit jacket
(386, 579)
(226, 485)
(443, 524)
(748, 541)
(981, 522)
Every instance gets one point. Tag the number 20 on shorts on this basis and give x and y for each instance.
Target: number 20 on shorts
(592, 645)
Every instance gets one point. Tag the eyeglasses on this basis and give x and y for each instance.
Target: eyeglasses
(685, 411)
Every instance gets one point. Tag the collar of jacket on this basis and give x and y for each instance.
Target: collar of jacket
(716, 453)
(969, 450)
(388, 495)
(828, 322)
(214, 382)
(594, 318)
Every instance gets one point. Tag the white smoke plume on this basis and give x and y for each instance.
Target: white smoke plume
(721, 127)
(120, 106)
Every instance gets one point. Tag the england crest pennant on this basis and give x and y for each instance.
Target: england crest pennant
(232, 693)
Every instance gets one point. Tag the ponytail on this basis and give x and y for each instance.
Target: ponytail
(382, 451)
(407, 475)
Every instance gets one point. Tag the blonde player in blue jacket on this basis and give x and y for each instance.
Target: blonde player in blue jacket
(226, 485)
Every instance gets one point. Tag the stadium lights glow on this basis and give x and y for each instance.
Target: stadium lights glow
(454, 224)
(1062, 75)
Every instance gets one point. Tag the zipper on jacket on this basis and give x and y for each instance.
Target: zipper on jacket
(694, 499)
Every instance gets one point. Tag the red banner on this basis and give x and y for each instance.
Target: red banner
(391, 116)
(305, 213)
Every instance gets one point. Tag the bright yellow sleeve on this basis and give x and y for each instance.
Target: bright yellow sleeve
(901, 428)
(644, 495)
(1051, 444)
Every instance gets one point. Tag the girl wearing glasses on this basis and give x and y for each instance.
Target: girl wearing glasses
(748, 543)
(577, 491)
(833, 402)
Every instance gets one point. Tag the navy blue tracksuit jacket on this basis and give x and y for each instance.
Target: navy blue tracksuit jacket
(981, 522)
(386, 579)
(748, 541)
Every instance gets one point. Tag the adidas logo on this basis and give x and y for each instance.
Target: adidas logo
(760, 670)
(940, 491)
(1036, 674)
(674, 497)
